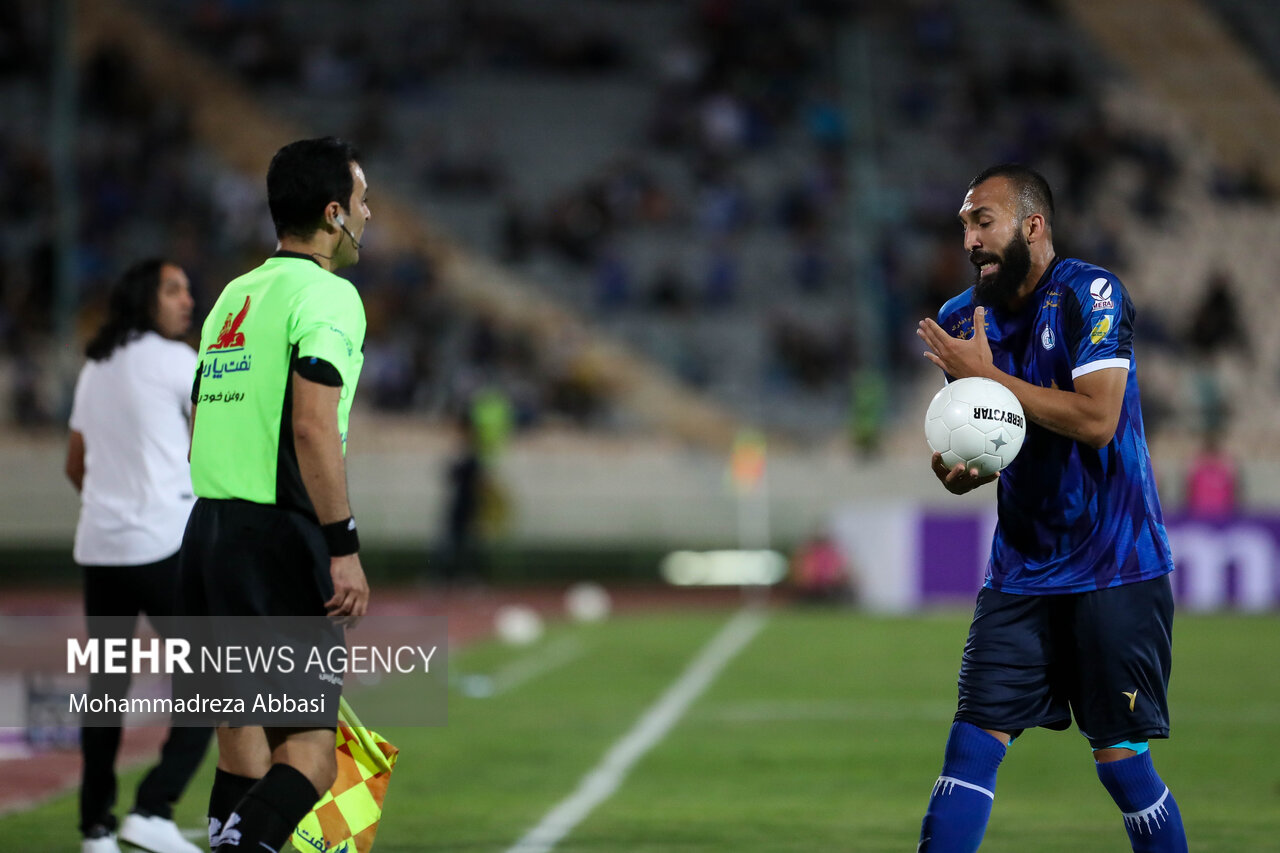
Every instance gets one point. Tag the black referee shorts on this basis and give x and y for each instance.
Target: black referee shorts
(246, 559)
(1103, 656)
(256, 576)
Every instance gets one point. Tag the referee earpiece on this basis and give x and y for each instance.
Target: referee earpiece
(342, 223)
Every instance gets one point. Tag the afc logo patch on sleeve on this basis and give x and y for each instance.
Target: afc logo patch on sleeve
(1100, 290)
(1100, 330)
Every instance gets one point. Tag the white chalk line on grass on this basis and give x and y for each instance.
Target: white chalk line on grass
(520, 671)
(555, 655)
(605, 778)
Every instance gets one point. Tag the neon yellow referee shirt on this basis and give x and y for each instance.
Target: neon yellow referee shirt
(287, 310)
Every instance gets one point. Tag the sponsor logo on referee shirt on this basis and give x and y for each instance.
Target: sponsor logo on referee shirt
(226, 355)
(1133, 697)
(231, 337)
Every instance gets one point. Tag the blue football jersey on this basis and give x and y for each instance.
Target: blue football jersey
(1071, 518)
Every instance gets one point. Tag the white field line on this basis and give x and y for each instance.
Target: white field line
(555, 655)
(605, 778)
(520, 671)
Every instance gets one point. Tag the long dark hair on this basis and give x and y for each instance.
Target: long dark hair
(131, 308)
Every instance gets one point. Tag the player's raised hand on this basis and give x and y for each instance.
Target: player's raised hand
(957, 356)
(958, 479)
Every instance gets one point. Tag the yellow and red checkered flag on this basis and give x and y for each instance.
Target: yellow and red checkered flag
(346, 818)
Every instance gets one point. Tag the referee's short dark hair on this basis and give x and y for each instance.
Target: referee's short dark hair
(1034, 195)
(303, 177)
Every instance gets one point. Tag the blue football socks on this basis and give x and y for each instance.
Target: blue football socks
(1151, 816)
(960, 805)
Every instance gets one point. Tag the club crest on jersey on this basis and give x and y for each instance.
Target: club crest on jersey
(1100, 290)
(1100, 330)
(1046, 337)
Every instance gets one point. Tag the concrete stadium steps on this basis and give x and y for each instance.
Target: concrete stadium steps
(1256, 24)
(478, 285)
(1181, 50)
(920, 168)
(1170, 261)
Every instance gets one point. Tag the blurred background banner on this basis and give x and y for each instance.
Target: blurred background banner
(907, 557)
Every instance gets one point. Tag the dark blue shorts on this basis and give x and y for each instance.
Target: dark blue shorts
(1104, 656)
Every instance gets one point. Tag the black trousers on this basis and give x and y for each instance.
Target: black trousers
(114, 596)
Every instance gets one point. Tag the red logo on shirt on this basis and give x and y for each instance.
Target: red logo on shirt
(229, 337)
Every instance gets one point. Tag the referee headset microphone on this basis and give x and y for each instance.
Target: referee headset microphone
(342, 223)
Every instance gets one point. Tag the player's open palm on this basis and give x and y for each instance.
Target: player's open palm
(350, 591)
(958, 357)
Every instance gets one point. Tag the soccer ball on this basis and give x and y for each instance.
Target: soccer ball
(975, 421)
(587, 602)
(517, 625)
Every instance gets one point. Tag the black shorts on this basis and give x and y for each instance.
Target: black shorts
(256, 576)
(245, 559)
(1103, 656)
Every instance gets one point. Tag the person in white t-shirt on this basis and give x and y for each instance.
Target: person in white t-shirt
(127, 456)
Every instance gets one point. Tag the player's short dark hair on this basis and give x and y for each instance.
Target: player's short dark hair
(303, 177)
(1034, 195)
(131, 308)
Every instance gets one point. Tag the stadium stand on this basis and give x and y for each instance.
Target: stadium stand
(683, 179)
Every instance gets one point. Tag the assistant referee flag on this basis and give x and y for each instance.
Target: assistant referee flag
(346, 818)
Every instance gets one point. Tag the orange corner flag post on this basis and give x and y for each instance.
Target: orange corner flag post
(345, 819)
(747, 461)
(749, 478)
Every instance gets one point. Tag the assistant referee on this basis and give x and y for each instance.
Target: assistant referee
(271, 534)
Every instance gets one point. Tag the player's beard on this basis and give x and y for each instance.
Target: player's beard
(1015, 262)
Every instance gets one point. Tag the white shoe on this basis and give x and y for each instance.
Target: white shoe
(106, 844)
(155, 834)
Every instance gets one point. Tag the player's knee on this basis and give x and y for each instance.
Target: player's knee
(1004, 737)
(1119, 751)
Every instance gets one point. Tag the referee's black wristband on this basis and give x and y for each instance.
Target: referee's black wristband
(341, 537)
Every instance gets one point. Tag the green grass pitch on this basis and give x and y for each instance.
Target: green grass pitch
(824, 734)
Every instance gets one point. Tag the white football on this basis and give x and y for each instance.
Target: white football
(517, 625)
(587, 602)
(975, 421)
